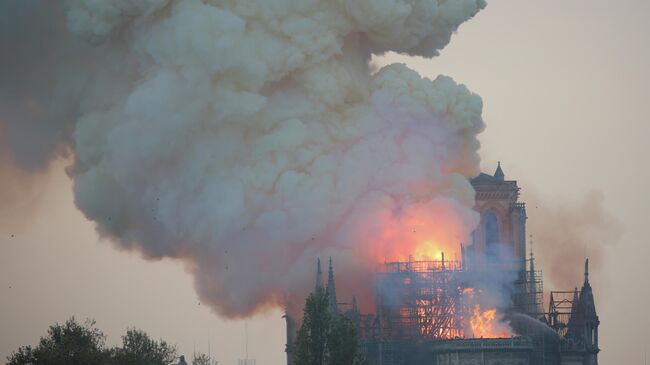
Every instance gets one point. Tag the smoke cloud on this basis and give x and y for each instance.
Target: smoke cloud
(567, 231)
(30, 128)
(248, 138)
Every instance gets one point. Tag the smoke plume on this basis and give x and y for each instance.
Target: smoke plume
(566, 232)
(247, 138)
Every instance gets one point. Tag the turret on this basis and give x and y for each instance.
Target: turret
(584, 322)
(353, 315)
(590, 321)
(499, 172)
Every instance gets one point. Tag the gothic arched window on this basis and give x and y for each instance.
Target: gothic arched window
(492, 232)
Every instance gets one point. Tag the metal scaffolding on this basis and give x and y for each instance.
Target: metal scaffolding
(528, 294)
(420, 300)
(420, 303)
(562, 305)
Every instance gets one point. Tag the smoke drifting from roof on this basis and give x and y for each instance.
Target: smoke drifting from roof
(247, 138)
(568, 231)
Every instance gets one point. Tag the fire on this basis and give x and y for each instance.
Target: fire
(484, 323)
(428, 250)
(423, 300)
(421, 231)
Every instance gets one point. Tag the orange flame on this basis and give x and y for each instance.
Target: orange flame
(485, 324)
(428, 250)
(424, 231)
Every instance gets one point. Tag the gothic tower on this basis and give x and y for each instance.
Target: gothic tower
(501, 232)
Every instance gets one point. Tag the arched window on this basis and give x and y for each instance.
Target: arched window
(492, 232)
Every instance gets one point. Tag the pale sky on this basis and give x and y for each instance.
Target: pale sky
(564, 87)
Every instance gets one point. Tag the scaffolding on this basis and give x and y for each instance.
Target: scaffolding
(528, 294)
(420, 300)
(422, 303)
(562, 305)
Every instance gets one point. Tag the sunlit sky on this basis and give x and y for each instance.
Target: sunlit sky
(564, 86)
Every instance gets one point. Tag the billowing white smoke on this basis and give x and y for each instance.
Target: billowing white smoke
(254, 136)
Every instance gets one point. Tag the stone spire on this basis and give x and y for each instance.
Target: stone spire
(353, 314)
(574, 325)
(552, 310)
(532, 277)
(532, 259)
(583, 324)
(319, 275)
(588, 320)
(587, 298)
(331, 289)
(499, 173)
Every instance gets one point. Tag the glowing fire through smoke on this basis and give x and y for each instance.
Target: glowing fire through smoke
(484, 323)
(428, 251)
(423, 232)
(459, 307)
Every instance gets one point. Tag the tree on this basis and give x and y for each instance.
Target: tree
(325, 338)
(71, 343)
(74, 343)
(139, 349)
(311, 343)
(343, 342)
(202, 359)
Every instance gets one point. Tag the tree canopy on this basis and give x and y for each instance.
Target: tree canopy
(202, 359)
(74, 343)
(139, 349)
(325, 338)
(71, 343)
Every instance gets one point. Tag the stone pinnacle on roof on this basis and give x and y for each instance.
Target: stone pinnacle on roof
(499, 173)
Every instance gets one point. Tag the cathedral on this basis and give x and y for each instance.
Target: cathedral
(425, 319)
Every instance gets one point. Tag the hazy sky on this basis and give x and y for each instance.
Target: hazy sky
(564, 86)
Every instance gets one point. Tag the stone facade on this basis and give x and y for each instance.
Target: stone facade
(488, 351)
(502, 229)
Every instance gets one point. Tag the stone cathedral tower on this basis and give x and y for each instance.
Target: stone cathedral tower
(499, 240)
(502, 230)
